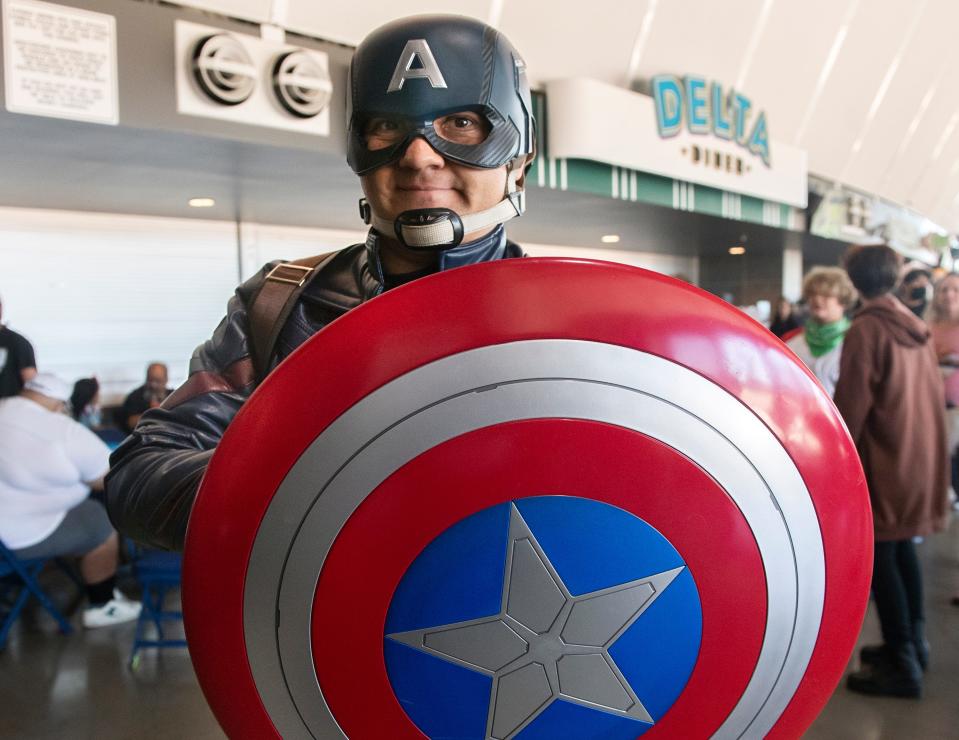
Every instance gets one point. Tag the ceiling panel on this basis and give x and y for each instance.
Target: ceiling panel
(945, 200)
(932, 186)
(790, 54)
(558, 43)
(704, 38)
(248, 10)
(349, 22)
(841, 110)
(918, 155)
(921, 66)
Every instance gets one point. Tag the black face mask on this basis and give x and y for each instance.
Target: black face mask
(917, 294)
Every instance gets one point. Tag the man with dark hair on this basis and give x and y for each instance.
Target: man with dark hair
(891, 396)
(17, 361)
(148, 396)
(440, 133)
(874, 270)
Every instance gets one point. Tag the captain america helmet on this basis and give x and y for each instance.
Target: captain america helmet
(409, 76)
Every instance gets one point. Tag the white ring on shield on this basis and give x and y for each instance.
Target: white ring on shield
(509, 382)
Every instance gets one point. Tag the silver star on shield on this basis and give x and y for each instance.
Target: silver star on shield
(545, 644)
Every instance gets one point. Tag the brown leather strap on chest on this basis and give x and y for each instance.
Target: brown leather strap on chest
(273, 303)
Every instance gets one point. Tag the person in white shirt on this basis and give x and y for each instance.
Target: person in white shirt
(828, 293)
(48, 465)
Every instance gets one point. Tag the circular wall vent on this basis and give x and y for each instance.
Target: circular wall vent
(223, 69)
(301, 83)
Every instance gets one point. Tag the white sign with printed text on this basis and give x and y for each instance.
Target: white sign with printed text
(59, 62)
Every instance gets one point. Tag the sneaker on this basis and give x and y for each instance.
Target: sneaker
(114, 611)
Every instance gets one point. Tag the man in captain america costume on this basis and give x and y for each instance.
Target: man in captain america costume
(508, 501)
(440, 132)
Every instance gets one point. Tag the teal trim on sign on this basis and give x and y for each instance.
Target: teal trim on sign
(752, 209)
(709, 201)
(585, 176)
(654, 189)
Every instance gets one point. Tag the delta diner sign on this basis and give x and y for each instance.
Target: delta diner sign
(690, 129)
(705, 108)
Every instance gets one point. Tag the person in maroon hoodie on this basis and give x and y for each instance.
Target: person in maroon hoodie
(891, 396)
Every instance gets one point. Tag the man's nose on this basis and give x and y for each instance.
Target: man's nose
(420, 155)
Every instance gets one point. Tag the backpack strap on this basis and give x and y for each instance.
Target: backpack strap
(272, 304)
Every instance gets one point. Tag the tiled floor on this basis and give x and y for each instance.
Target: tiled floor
(79, 686)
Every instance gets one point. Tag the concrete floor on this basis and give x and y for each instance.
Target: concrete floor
(79, 686)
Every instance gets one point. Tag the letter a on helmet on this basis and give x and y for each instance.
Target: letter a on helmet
(416, 49)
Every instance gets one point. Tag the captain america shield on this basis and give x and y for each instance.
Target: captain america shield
(530, 499)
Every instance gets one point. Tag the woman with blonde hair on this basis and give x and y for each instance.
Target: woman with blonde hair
(944, 325)
(828, 293)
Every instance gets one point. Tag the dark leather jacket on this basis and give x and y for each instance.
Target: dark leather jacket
(156, 472)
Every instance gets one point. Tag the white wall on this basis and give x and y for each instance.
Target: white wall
(668, 264)
(792, 273)
(263, 243)
(106, 294)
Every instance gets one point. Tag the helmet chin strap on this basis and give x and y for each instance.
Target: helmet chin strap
(443, 228)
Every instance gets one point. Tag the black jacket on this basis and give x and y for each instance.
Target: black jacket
(156, 472)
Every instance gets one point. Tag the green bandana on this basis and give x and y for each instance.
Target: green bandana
(824, 338)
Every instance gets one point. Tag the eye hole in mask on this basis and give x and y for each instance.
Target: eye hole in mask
(465, 128)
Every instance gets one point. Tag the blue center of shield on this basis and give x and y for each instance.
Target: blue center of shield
(547, 617)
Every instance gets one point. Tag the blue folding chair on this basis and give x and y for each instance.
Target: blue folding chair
(20, 577)
(158, 573)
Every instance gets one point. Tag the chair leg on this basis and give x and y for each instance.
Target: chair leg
(31, 584)
(138, 635)
(161, 599)
(28, 587)
(12, 615)
(155, 604)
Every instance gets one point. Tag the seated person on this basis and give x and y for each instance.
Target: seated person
(48, 465)
(148, 396)
(85, 402)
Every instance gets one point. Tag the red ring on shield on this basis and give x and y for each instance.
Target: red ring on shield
(495, 303)
(527, 458)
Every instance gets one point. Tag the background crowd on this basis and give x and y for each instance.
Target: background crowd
(883, 339)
